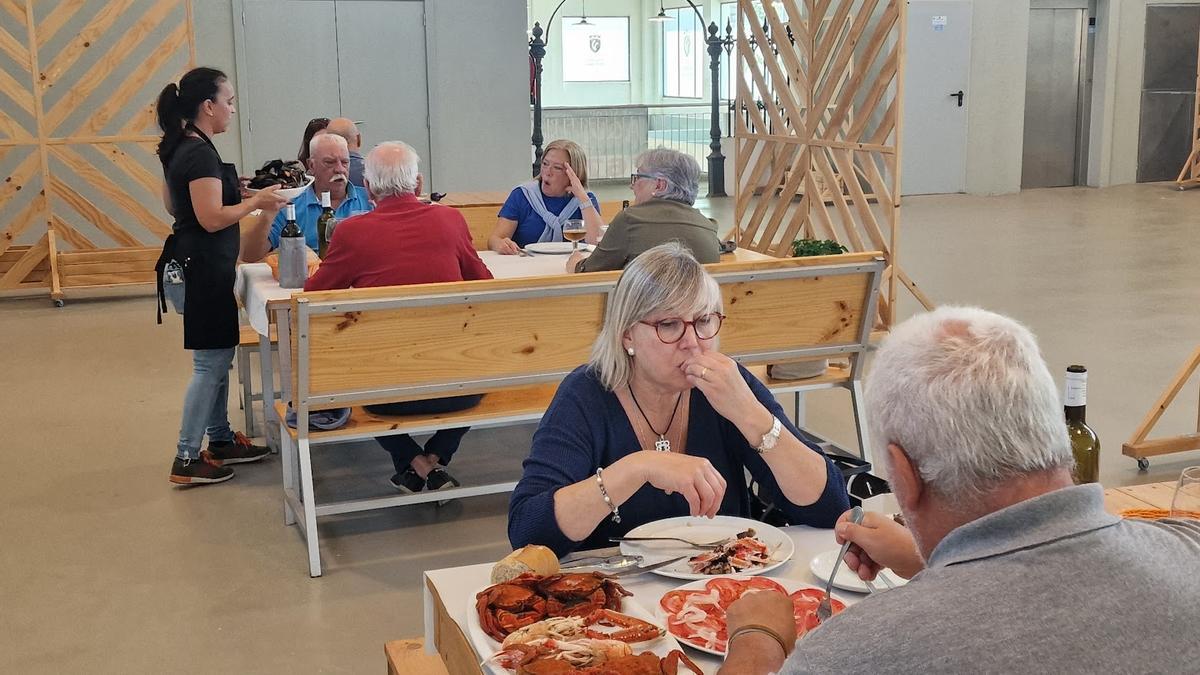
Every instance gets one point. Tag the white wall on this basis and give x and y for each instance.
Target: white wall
(996, 113)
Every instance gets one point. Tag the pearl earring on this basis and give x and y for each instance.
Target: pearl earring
(629, 350)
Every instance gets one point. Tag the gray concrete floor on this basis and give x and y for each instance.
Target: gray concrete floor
(108, 569)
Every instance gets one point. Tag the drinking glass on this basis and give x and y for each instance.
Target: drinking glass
(574, 232)
(1186, 503)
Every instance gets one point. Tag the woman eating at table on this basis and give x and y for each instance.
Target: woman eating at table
(204, 195)
(660, 424)
(536, 211)
(664, 190)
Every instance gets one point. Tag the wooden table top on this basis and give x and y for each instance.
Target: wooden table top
(1148, 496)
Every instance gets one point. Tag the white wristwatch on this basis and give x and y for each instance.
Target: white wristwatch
(770, 438)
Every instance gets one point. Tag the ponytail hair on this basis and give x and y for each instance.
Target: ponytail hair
(179, 104)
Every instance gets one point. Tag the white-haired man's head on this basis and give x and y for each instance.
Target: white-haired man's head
(392, 168)
(966, 395)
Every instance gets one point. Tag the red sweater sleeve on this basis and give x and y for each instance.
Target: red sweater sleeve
(469, 263)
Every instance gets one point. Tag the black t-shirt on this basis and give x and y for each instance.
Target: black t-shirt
(193, 159)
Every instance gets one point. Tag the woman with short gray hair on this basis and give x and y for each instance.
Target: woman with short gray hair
(664, 190)
(661, 424)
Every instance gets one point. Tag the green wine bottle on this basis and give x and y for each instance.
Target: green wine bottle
(1084, 443)
(324, 225)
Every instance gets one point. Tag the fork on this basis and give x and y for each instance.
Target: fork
(887, 581)
(825, 609)
(693, 544)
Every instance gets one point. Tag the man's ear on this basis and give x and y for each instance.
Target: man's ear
(420, 184)
(904, 477)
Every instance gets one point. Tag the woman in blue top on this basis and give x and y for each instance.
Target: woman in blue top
(536, 210)
(661, 424)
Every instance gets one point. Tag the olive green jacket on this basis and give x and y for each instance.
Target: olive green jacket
(644, 226)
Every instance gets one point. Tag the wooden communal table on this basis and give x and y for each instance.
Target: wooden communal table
(1148, 496)
(482, 198)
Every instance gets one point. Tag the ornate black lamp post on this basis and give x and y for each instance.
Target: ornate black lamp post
(537, 51)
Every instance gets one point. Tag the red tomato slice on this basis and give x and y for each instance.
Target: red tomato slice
(672, 602)
(765, 584)
(728, 590)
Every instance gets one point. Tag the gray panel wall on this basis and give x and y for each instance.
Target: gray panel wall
(1168, 91)
(478, 93)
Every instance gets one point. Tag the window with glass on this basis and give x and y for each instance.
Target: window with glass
(683, 51)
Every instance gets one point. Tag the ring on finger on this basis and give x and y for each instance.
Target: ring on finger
(704, 372)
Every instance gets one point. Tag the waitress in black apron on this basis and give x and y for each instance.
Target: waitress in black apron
(204, 195)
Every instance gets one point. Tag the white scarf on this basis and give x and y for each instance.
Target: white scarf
(554, 223)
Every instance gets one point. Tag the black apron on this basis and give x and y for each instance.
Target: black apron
(209, 261)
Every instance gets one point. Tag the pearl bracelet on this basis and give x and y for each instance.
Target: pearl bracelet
(616, 515)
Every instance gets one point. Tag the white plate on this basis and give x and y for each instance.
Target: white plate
(290, 193)
(822, 565)
(695, 528)
(791, 585)
(485, 646)
(553, 247)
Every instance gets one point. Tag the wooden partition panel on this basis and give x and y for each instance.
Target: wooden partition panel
(78, 80)
(817, 128)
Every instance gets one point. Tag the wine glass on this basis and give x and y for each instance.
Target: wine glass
(1186, 503)
(574, 232)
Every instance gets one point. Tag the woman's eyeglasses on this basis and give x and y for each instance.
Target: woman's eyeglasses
(671, 330)
(633, 177)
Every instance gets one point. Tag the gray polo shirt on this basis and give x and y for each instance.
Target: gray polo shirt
(1053, 584)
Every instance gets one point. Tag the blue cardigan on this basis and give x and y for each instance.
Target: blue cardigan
(585, 427)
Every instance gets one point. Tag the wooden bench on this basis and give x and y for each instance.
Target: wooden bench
(481, 220)
(515, 339)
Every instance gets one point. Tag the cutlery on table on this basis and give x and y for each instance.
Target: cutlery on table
(887, 581)
(870, 586)
(631, 571)
(825, 609)
(608, 562)
(693, 544)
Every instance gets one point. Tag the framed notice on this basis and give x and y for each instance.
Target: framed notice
(597, 51)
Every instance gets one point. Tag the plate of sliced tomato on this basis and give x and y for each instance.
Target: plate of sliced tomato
(694, 613)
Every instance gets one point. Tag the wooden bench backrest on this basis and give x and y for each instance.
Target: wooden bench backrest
(481, 220)
(405, 342)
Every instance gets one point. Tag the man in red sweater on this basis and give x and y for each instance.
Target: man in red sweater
(404, 242)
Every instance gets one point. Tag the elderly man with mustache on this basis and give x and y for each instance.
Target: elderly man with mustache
(329, 164)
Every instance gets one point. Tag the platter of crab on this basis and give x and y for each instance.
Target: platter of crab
(565, 624)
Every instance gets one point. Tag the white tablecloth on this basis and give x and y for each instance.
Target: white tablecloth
(255, 286)
(457, 586)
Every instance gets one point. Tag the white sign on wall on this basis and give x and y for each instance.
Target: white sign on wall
(597, 51)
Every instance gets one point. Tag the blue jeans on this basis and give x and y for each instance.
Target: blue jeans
(444, 443)
(206, 405)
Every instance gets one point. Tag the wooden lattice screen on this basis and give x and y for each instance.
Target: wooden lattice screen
(817, 128)
(81, 201)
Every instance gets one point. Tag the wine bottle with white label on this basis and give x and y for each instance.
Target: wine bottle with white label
(1084, 443)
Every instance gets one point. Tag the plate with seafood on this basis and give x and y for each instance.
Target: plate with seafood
(581, 619)
(695, 612)
(734, 546)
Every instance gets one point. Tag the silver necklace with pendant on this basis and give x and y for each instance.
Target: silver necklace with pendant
(662, 444)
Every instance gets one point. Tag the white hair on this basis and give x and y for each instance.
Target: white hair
(680, 170)
(392, 168)
(666, 278)
(967, 395)
(326, 138)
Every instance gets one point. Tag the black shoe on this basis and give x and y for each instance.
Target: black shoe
(199, 471)
(408, 482)
(238, 451)
(440, 479)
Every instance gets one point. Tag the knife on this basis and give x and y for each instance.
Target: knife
(648, 568)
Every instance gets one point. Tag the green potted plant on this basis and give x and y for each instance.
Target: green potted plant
(802, 370)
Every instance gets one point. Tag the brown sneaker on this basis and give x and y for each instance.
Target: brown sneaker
(238, 451)
(199, 471)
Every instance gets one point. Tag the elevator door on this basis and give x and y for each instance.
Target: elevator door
(1053, 113)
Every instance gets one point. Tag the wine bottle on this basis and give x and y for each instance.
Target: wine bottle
(1085, 445)
(324, 225)
(293, 269)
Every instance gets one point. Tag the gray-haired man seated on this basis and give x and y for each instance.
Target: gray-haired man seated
(1014, 569)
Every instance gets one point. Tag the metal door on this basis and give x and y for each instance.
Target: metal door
(381, 62)
(363, 59)
(1053, 83)
(288, 74)
(936, 97)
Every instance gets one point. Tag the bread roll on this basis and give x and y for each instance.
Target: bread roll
(531, 558)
